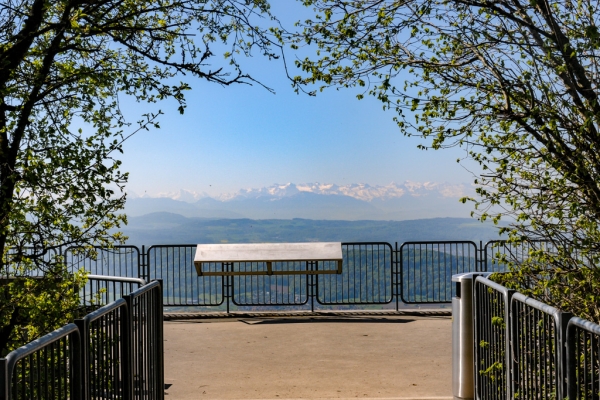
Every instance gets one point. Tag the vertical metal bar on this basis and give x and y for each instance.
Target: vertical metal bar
(395, 277)
(159, 342)
(141, 267)
(478, 316)
(125, 325)
(312, 287)
(513, 348)
(402, 274)
(77, 366)
(228, 285)
(4, 380)
(59, 372)
(83, 339)
(563, 321)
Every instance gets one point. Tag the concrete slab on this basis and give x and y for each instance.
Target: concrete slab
(338, 357)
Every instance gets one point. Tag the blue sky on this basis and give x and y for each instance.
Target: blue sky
(243, 136)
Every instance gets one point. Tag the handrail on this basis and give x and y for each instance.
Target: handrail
(126, 335)
(7, 365)
(146, 288)
(99, 313)
(496, 286)
(140, 281)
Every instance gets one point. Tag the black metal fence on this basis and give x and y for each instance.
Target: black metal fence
(102, 289)
(426, 269)
(491, 335)
(49, 368)
(583, 359)
(538, 351)
(526, 349)
(115, 352)
(373, 273)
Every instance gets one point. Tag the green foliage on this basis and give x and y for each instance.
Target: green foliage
(499, 322)
(64, 67)
(32, 307)
(493, 371)
(515, 83)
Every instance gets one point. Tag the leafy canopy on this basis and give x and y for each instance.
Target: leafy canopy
(65, 66)
(516, 84)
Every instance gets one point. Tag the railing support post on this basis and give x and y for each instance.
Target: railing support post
(228, 282)
(160, 342)
(312, 284)
(563, 322)
(142, 265)
(396, 275)
(83, 348)
(3, 380)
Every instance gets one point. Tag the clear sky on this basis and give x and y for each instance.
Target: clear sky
(244, 137)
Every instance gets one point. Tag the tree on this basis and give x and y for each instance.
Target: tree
(516, 84)
(64, 67)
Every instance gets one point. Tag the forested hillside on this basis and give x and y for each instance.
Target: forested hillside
(167, 228)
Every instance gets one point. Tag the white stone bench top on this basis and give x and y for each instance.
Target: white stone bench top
(268, 252)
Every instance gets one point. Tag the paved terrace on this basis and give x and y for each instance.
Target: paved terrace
(319, 356)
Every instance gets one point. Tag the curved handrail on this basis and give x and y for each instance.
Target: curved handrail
(140, 281)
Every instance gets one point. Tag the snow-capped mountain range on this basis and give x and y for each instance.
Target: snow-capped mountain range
(359, 191)
(409, 200)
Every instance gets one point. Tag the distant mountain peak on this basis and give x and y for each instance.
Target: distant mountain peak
(408, 200)
(360, 191)
(187, 196)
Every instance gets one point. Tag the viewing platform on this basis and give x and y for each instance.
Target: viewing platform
(298, 355)
(379, 330)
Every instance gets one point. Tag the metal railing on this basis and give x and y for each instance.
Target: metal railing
(174, 264)
(426, 269)
(373, 273)
(583, 359)
(102, 289)
(145, 315)
(121, 261)
(538, 333)
(105, 342)
(367, 276)
(545, 353)
(491, 336)
(49, 368)
(115, 352)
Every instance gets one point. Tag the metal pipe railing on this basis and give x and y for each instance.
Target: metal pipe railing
(97, 357)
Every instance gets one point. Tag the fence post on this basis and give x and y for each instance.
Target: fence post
(401, 272)
(311, 278)
(3, 379)
(485, 256)
(571, 362)
(128, 346)
(142, 264)
(563, 322)
(76, 366)
(507, 332)
(513, 348)
(396, 275)
(83, 349)
(160, 344)
(480, 262)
